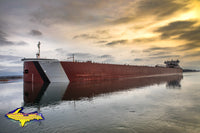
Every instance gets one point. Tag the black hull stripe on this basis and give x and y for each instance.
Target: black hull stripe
(41, 72)
(41, 93)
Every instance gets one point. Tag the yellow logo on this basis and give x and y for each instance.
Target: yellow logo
(18, 115)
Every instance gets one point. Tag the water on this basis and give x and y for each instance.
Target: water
(141, 105)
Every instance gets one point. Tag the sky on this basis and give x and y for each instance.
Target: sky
(135, 32)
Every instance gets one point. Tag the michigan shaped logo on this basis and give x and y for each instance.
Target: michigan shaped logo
(22, 117)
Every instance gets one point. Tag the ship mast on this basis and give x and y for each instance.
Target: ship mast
(38, 53)
(71, 57)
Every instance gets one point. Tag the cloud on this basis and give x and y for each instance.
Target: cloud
(160, 8)
(95, 12)
(138, 59)
(134, 51)
(191, 35)
(106, 56)
(104, 22)
(72, 12)
(193, 54)
(177, 25)
(116, 42)
(145, 40)
(176, 28)
(5, 42)
(11, 58)
(164, 57)
(160, 53)
(35, 33)
(3, 39)
(137, 11)
(15, 69)
(157, 49)
(21, 43)
(99, 35)
(86, 36)
(183, 30)
(124, 20)
(102, 42)
(60, 50)
(189, 46)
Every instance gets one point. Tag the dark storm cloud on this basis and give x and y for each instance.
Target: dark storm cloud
(116, 42)
(144, 8)
(35, 33)
(191, 35)
(183, 30)
(177, 25)
(161, 8)
(176, 28)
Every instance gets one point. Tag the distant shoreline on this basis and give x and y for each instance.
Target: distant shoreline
(190, 70)
(8, 78)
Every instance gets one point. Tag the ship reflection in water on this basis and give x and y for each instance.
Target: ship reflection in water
(44, 94)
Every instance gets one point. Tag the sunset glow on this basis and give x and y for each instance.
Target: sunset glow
(137, 32)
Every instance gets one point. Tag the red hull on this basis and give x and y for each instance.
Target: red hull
(43, 71)
(79, 71)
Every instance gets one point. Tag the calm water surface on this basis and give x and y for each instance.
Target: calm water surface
(169, 104)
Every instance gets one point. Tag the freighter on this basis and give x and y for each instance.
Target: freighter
(39, 70)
